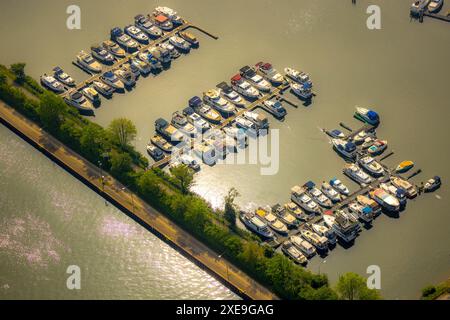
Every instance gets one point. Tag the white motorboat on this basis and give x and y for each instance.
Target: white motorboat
(324, 231)
(196, 120)
(272, 221)
(180, 122)
(432, 184)
(292, 252)
(137, 34)
(124, 40)
(355, 173)
(260, 120)
(212, 97)
(302, 90)
(255, 79)
(63, 77)
(411, 191)
(205, 111)
(126, 77)
(230, 95)
(299, 196)
(245, 124)
(320, 242)
(256, 224)
(330, 192)
(169, 13)
(298, 76)
(318, 195)
(52, 84)
(85, 61)
(344, 148)
(365, 213)
(161, 143)
(384, 199)
(91, 94)
(146, 25)
(276, 108)
(371, 166)
(103, 88)
(180, 43)
(112, 80)
(114, 48)
(339, 186)
(272, 75)
(304, 246)
(367, 115)
(80, 102)
(244, 88)
(102, 55)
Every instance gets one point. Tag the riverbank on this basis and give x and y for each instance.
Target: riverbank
(140, 211)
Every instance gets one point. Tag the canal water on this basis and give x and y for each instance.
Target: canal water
(399, 70)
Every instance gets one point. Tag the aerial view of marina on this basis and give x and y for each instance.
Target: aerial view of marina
(224, 150)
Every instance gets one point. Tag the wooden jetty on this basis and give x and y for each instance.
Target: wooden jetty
(186, 25)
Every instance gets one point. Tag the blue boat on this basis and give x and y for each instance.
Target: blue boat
(367, 116)
(344, 148)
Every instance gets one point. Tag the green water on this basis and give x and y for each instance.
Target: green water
(400, 71)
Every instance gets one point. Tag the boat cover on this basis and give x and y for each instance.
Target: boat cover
(195, 101)
(310, 185)
(372, 115)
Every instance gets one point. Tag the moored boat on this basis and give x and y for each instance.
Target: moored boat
(364, 213)
(271, 74)
(302, 90)
(298, 76)
(336, 133)
(367, 115)
(205, 111)
(385, 200)
(404, 166)
(318, 195)
(344, 148)
(230, 95)
(295, 210)
(299, 196)
(137, 34)
(163, 22)
(371, 166)
(254, 223)
(377, 147)
(103, 88)
(255, 79)
(304, 246)
(146, 25)
(52, 84)
(435, 5)
(63, 77)
(285, 216)
(113, 48)
(419, 6)
(272, 221)
(180, 122)
(189, 37)
(170, 14)
(432, 184)
(112, 80)
(91, 94)
(344, 226)
(320, 242)
(276, 108)
(366, 201)
(101, 54)
(212, 98)
(324, 231)
(161, 143)
(261, 122)
(292, 252)
(244, 88)
(339, 186)
(78, 101)
(355, 173)
(180, 43)
(85, 61)
(330, 192)
(124, 40)
(196, 120)
(399, 193)
(155, 152)
(411, 191)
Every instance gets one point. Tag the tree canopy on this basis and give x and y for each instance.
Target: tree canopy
(352, 286)
(183, 176)
(122, 132)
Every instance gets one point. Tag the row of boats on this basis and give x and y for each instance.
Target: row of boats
(420, 6)
(215, 105)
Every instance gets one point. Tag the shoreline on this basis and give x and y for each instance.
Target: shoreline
(137, 209)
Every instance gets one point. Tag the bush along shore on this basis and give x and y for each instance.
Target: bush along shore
(111, 149)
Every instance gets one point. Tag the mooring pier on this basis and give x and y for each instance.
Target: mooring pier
(186, 25)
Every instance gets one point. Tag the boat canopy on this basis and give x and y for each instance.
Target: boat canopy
(267, 66)
(77, 95)
(336, 132)
(367, 210)
(236, 77)
(372, 115)
(224, 86)
(57, 70)
(195, 102)
(161, 18)
(437, 179)
(161, 123)
(310, 185)
(307, 85)
(116, 32)
(188, 111)
(350, 146)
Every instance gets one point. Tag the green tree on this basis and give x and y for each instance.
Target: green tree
(230, 208)
(184, 177)
(19, 71)
(51, 111)
(122, 131)
(2, 78)
(352, 286)
(120, 164)
(148, 184)
(93, 142)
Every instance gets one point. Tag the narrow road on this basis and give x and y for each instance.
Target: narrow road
(148, 216)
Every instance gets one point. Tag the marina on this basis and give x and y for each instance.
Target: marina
(141, 54)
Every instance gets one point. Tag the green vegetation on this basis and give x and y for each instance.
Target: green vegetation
(432, 292)
(352, 286)
(110, 148)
